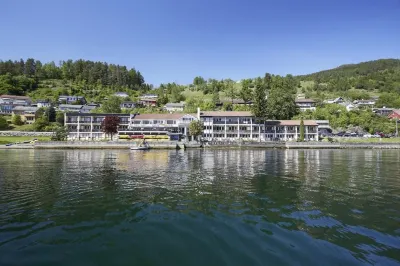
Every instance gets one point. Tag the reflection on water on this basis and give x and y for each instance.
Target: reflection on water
(196, 207)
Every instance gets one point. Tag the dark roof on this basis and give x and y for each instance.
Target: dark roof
(15, 97)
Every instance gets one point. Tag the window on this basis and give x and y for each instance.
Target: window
(146, 122)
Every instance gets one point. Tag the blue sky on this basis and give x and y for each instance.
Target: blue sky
(176, 40)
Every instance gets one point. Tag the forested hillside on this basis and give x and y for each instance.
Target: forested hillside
(83, 77)
(373, 76)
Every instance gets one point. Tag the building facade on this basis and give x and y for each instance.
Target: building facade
(88, 126)
(243, 125)
(306, 104)
(27, 113)
(174, 107)
(216, 126)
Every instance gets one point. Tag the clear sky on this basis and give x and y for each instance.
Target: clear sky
(176, 40)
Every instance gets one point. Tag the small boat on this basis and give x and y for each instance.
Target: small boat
(141, 147)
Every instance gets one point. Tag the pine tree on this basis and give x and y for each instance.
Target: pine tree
(215, 97)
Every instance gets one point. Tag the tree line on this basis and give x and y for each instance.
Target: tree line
(20, 77)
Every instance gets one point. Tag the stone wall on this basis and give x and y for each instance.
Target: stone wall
(25, 134)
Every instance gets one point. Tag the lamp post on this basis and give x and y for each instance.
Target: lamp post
(397, 128)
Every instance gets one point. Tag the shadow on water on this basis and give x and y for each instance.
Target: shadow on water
(197, 207)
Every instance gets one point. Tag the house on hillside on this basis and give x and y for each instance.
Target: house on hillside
(174, 107)
(395, 114)
(365, 103)
(66, 99)
(383, 111)
(121, 94)
(127, 105)
(70, 108)
(27, 113)
(9, 102)
(43, 103)
(338, 100)
(87, 108)
(306, 104)
(148, 101)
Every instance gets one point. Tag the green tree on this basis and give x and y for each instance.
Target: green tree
(50, 113)
(259, 109)
(195, 129)
(17, 120)
(60, 133)
(301, 130)
(40, 124)
(215, 97)
(3, 123)
(60, 118)
(246, 93)
(230, 90)
(281, 103)
(112, 105)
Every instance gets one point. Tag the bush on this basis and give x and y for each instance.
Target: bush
(59, 133)
(3, 123)
(16, 120)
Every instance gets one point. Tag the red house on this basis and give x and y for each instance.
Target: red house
(395, 114)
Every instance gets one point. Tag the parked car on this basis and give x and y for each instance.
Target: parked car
(367, 136)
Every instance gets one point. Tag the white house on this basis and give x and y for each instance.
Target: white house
(338, 100)
(306, 104)
(174, 107)
(121, 94)
(43, 103)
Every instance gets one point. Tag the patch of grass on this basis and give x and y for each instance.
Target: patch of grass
(26, 127)
(12, 139)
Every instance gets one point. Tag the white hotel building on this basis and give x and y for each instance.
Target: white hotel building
(227, 125)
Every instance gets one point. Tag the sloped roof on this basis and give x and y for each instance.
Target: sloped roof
(304, 101)
(25, 108)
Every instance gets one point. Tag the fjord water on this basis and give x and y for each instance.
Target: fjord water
(196, 207)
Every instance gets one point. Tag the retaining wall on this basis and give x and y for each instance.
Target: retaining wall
(25, 134)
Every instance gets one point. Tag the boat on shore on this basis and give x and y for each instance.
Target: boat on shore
(141, 147)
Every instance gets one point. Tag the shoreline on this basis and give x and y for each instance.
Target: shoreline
(178, 145)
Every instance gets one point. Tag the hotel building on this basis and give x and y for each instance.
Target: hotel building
(229, 125)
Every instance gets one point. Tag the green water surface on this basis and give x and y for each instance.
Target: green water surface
(196, 207)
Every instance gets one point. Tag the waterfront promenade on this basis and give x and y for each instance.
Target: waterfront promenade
(207, 145)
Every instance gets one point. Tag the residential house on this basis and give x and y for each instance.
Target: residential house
(43, 103)
(87, 108)
(365, 103)
(70, 107)
(234, 102)
(121, 94)
(9, 102)
(128, 105)
(383, 111)
(27, 113)
(395, 114)
(338, 100)
(149, 96)
(305, 104)
(148, 101)
(67, 99)
(350, 107)
(174, 107)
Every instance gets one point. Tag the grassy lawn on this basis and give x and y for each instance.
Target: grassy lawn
(9, 139)
(21, 128)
